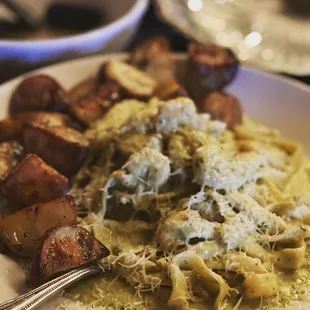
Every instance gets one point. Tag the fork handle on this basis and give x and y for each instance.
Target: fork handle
(32, 299)
(14, 301)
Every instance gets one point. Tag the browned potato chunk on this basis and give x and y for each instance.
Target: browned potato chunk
(148, 51)
(10, 155)
(223, 107)
(61, 147)
(153, 56)
(62, 249)
(11, 127)
(83, 90)
(210, 67)
(87, 110)
(132, 82)
(20, 230)
(170, 90)
(39, 93)
(33, 181)
(48, 119)
(93, 107)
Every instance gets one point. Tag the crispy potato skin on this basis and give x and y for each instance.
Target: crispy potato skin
(83, 90)
(62, 148)
(87, 110)
(223, 107)
(34, 181)
(62, 249)
(11, 127)
(154, 57)
(39, 93)
(20, 230)
(90, 108)
(209, 67)
(47, 119)
(10, 155)
(148, 51)
(122, 75)
(170, 90)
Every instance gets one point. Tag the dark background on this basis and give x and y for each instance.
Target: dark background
(153, 26)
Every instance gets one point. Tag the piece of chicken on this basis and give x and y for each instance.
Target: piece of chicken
(142, 175)
(148, 168)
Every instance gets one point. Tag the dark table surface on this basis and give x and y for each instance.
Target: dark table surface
(153, 26)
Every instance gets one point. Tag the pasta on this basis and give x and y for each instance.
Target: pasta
(204, 217)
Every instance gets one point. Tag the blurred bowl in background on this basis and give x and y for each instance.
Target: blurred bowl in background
(272, 35)
(120, 23)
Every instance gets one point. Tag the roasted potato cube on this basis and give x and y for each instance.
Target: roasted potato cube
(10, 155)
(11, 127)
(148, 51)
(20, 230)
(83, 90)
(93, 107)
(48, 119)
(223, 107)
(153, 56)
(62, 249)
(170, 90)
(33, 181)
(39, 93)
(132, 82)
(7, 207)
(61, 147)
(87, 110)
(209, 67)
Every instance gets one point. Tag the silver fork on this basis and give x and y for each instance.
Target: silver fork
(37, 296)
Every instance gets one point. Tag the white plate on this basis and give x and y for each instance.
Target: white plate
(275, 101)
